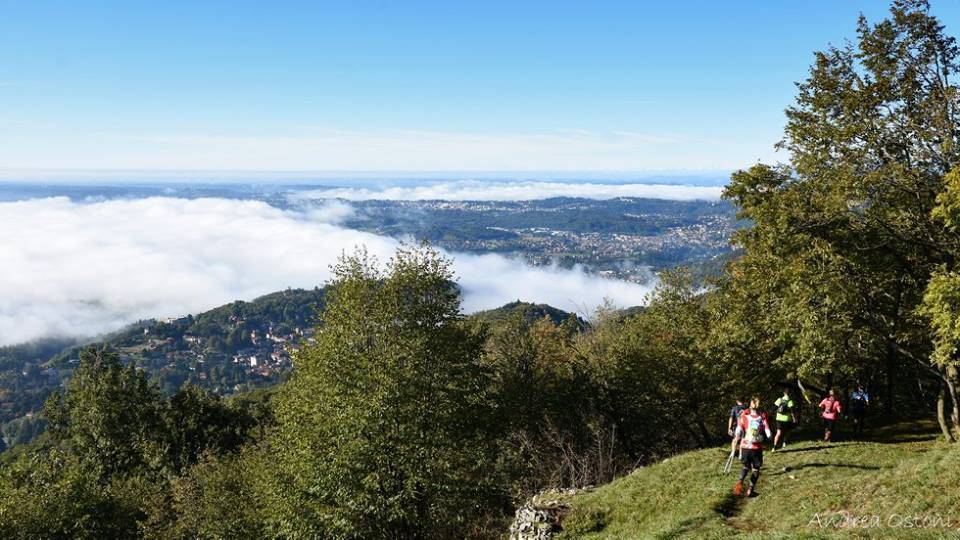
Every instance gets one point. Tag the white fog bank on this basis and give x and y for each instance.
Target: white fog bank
(79, 269)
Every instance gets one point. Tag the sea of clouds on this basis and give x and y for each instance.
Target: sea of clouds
(82, 268)
(475, 190)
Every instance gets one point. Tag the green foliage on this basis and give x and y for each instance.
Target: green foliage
(670, 365)
(941, 300)
(585, 405)
(544, 393)
(197, 422)
(118, 446)
(384, 429)
(941, 304)
(110, 416)
(218, 498)
(529, 312)
(51, 494)
(844, 238)
(21, 430)
(660, 378)
(25, 382)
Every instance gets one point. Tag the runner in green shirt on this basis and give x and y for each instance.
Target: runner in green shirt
(786, 418)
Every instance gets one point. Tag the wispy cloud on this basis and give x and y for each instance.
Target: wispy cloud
(78, 269)
(426, 150)
(380, 150)
(314, 149)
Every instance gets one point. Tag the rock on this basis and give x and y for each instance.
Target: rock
(540, 518)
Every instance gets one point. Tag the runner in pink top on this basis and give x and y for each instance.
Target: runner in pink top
(831, 411)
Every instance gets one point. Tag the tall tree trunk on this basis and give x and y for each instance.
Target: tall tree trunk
(890, 362)
(942, 412)
(623, 437)
(952, 377)
(623, 433)
(891, 368)
(704, 434)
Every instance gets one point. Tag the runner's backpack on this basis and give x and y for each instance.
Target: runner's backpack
(784, 406)
(754, 433)
(859, 401)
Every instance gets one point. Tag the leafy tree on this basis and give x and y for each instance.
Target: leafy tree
(660, 375)
(941, 307)
(21, 430)
(671, 347)
(218, 498)
(110, 416)
(384, 429)
(52, 494)
(941, 304)
(545, 399)
(844, 242)
(196, 421)
(119, 448)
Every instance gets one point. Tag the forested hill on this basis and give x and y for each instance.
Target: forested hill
(232, 348)
(235, 347)
(529, 312)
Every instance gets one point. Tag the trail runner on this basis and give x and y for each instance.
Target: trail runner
(786, 418)
(831, 412)
(753, 429)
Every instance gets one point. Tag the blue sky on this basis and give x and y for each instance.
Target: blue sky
(407, 86)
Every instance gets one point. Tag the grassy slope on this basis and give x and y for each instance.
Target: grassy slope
(902, 471)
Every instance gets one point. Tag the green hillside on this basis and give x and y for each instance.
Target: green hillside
(213, 349)
(901, 482)
(529, 312)
(232, 348)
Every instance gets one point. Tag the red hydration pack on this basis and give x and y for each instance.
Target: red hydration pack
(753, 429)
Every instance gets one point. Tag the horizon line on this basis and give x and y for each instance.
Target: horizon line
(12, 175)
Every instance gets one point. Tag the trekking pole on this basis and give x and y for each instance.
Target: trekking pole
(729, 463)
